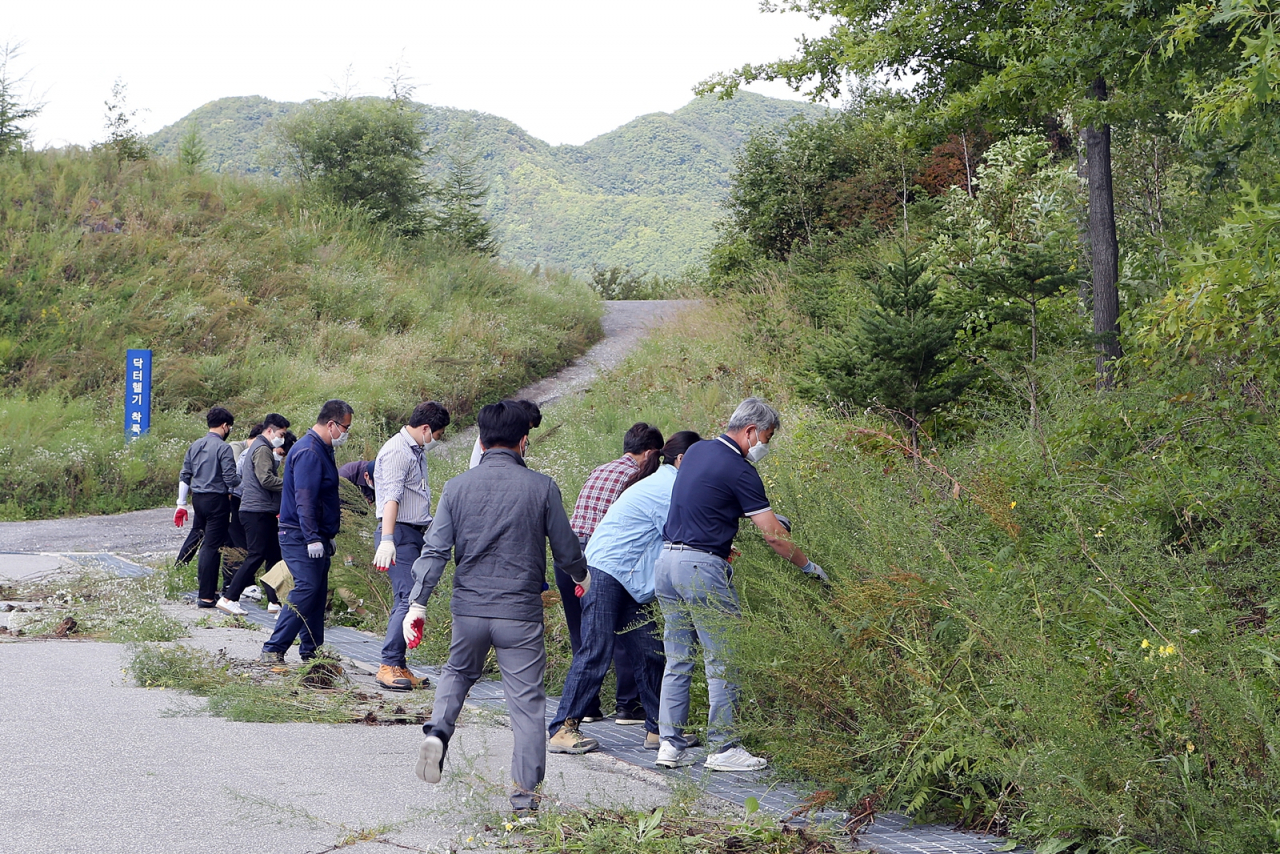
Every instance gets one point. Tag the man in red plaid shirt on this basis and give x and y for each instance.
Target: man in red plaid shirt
(640, 458)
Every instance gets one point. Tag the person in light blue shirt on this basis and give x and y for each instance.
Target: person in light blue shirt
(621, 555)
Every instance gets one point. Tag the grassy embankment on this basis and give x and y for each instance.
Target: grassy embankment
(250, 299)
(1064, 634)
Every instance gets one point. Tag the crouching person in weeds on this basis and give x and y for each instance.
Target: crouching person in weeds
(496, 519)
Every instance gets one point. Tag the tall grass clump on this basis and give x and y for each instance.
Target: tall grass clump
(1064, 631)
(250, 299)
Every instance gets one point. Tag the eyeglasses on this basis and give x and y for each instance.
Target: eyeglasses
(345, 428)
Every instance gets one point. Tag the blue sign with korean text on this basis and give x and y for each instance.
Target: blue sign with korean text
(137, 398)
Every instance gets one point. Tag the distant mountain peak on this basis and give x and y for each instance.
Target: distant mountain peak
(644, 195)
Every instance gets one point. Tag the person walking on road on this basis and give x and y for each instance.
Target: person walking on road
(640, 446)
(496, 521)
(716, 487)
(260, 485)
(402, 502)
(310, 517)
(208, 476)
(617, 610)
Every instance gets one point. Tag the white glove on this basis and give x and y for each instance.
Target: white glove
(315, 551)
(414, 623)
(385, 557)
(583, 586)
(813, 569)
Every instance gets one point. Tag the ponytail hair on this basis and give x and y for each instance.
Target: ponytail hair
(676, 445)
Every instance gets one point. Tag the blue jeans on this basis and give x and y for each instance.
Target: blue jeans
(408, 548)
(696, 593)
(303, 612)
(627, 695)
(610, 617)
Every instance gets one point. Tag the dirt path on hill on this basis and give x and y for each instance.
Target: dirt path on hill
(150, 533)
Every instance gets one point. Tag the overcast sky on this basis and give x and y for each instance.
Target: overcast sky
(565, 70)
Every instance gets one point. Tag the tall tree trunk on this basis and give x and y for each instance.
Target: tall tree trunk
(1103, 244)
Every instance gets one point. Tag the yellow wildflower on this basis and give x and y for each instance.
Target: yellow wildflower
(1146, 643)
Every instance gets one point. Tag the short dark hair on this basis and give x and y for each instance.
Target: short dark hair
(256, 430)
(275, 420)
(431, 413)
(289, 441)
(640, 438)
(219, 416)
(535, 414)
(334, 410)
(503, 424)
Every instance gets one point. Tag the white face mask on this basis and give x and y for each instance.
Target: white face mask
(758, 452)
(279, 456)
(427, 440)
(341, 439)
(277, 442)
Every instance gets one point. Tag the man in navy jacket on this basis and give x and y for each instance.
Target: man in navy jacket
(310, 517)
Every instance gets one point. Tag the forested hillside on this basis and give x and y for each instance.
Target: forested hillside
(643, 196)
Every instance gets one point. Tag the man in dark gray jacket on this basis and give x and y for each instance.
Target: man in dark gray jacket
(496, 520)
(208, 476)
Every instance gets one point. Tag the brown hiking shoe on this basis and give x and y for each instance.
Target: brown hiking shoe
(414, 681)
(569, 739)
(389, 677)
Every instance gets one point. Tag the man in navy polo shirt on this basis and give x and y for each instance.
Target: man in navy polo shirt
(716, 487)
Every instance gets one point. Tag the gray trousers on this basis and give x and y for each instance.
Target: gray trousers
(522, 660)
(696, 593)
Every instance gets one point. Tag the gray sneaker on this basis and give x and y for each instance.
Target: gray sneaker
(273, 658)
(670, 756)
(430, 759)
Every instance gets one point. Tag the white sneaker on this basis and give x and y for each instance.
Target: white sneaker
(734, 759)
(233, 608)
(670, 756)
(253, 593)
(273, 609)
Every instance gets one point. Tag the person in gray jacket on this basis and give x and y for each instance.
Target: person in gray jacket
(496, 520)
(208, 476)
(260, 485)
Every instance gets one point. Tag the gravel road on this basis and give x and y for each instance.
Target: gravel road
(150, 533)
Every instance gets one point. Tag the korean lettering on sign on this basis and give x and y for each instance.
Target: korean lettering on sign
(137, 400)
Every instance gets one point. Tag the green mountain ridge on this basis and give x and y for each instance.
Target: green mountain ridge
(645, 195)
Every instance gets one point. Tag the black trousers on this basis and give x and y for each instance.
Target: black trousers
(213, 516)
(262, 538)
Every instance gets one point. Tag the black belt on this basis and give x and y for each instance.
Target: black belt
(688, 548)
(421, 529)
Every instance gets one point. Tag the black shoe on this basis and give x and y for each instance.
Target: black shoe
(624, 716)
(269, 657)
(206, 603)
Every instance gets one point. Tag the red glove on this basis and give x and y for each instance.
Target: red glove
(414, 624)
(578, 591)
(179, 517)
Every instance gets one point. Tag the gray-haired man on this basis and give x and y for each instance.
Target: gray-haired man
(717, 485)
